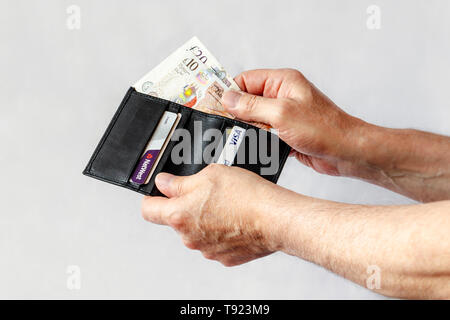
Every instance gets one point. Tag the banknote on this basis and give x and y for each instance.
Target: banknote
(191, 76)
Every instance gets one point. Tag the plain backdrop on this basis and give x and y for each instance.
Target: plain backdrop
(59, 89)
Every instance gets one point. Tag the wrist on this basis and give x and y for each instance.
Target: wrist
(278, 217)
(367, 151)
(407, 161)
(300, 225)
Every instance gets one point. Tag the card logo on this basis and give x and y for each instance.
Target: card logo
(235, 137)
(142, 170)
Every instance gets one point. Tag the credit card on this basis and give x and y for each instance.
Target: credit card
(153, 148)
(163, 148)
(231, 147)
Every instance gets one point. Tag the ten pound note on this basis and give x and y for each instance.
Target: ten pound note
(191, 76)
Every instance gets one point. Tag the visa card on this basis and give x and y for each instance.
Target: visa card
(151, 154)
(234, 139)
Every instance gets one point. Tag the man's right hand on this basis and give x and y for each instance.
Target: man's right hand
(322, 135)
(325, 138)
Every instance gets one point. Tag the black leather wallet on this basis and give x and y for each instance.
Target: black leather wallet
(128, 133)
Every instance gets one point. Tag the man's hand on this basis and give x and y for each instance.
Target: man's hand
(320, 133)
(234, 216)
(324, 137)
(221, 211)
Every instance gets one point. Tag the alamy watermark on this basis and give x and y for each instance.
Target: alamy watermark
(373, 21)
(73, 21)
(205, 146)
(373, 280)
(73, 281)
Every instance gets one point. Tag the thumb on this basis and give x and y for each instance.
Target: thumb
(169, 184)
(249, 107)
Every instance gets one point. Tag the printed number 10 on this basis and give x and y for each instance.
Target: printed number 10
(192, 65)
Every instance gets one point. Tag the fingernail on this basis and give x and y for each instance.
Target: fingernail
(163, 180)
(231, 98)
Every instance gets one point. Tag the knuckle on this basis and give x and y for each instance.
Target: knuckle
(251, 103)
(306, 94)
(294, 73)
(228, 263)
(283, 111)
(209, 255)
(193, 245)
(150, 218)
(180, 186)
(213, 170)
(177, 221)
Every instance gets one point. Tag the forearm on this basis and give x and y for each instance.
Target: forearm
(410, 162)
(409, 244)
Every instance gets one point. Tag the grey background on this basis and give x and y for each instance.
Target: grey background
(59, 89)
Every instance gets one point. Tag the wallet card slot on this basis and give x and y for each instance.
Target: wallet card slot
(187, 157)
(184, 169)
(260, 152)
(185, 116)
(125, 142)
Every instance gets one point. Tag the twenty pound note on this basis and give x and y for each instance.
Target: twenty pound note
(192, 77)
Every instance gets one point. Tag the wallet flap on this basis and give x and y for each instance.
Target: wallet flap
(126, 137)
